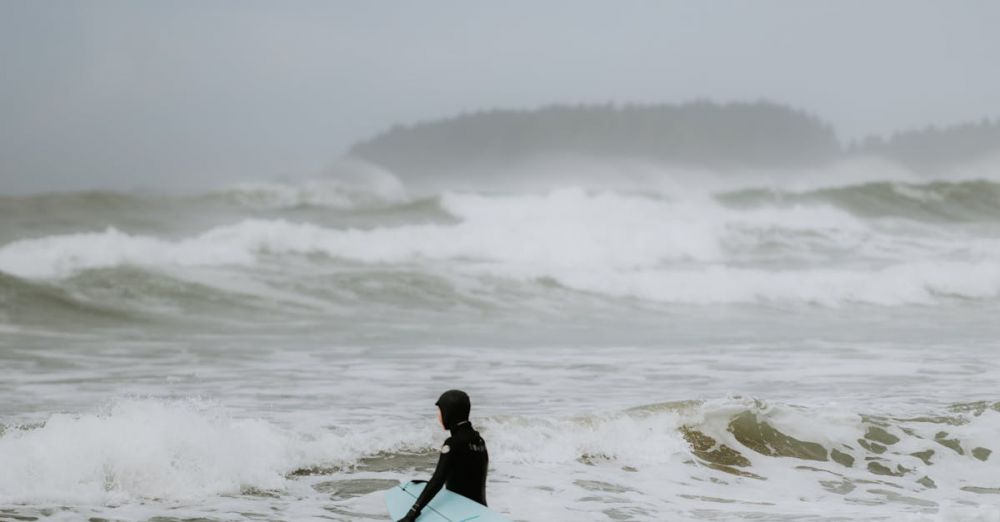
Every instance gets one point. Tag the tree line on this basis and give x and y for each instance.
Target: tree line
(702, 134)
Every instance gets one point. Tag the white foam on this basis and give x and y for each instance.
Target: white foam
(688, 251)
(643, 453)
(61, 256)
(627, 439)
(953, 512)
(140, 450)
(163, 450)
(568, 228)
(899, 284)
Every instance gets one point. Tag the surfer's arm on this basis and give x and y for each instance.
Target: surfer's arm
(437, 480)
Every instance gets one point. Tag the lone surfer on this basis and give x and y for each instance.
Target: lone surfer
(463, 460)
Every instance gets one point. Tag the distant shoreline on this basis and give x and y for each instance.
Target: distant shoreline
(702, 134)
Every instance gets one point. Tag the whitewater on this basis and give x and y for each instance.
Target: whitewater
(704, 349)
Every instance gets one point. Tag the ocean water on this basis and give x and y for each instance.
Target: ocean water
(752, 350)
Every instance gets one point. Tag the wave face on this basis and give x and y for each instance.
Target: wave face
(875, 243)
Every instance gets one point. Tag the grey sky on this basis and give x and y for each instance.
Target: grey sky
(178, 94)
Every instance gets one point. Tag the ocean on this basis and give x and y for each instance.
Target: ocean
(791, 351)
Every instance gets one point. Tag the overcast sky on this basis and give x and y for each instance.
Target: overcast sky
(178, 94)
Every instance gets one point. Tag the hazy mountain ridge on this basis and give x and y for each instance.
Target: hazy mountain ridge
(742, 135)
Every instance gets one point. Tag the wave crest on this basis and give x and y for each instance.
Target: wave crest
(693, 251)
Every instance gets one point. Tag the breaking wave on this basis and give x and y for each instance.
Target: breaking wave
(744, 249)
(149, 449)
(145, 448)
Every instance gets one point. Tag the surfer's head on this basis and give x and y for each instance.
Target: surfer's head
(454, 406)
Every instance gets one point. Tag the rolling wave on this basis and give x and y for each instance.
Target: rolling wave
(694, 251)
(33, 302)
(968, 201)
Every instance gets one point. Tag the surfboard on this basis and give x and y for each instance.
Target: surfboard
(444, 507)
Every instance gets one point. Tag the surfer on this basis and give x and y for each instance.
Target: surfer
(463, 460)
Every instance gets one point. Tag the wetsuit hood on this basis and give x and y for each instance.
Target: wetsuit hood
(455, 407)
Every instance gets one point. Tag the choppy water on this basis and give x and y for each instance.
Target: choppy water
(273, 351)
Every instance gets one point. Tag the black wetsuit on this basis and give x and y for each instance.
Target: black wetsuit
(463, 461)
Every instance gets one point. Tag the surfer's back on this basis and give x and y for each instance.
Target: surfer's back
(470, 462)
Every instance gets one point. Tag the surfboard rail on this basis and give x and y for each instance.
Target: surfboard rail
(446, 506)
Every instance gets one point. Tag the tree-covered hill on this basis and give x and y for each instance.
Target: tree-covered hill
(701, 133)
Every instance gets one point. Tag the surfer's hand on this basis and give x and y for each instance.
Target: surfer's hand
(410, 517)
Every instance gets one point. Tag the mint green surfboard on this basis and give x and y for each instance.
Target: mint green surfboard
(444, 507)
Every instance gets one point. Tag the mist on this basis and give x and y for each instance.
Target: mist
(686, 261)
(187, 95)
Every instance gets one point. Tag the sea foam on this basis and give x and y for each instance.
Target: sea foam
(142, 449)
(173, 450)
